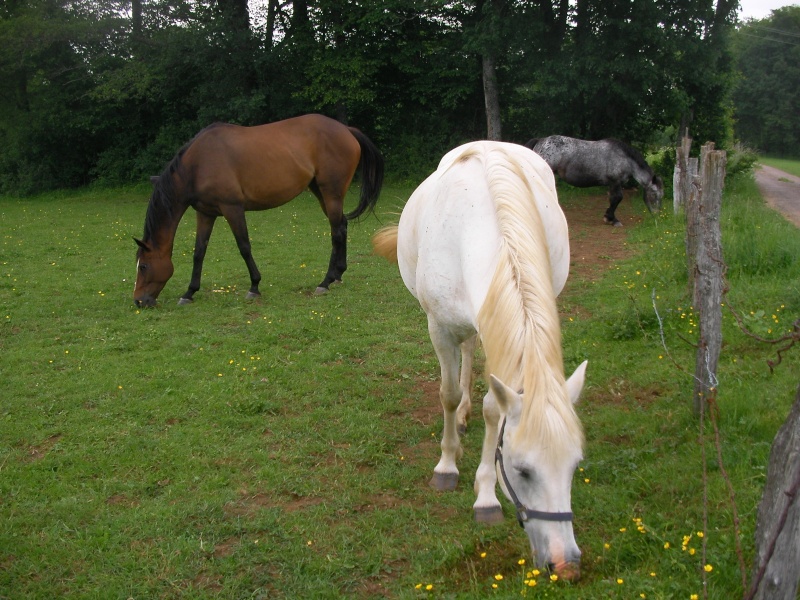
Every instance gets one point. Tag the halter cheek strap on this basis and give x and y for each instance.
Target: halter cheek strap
(523, 513)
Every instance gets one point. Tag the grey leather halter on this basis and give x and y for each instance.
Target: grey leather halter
(523, 513)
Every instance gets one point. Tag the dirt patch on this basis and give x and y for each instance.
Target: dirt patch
(122, 500)
(625, 396)
(595, 246)
(248, 504)
(39, 451)
(427, 409)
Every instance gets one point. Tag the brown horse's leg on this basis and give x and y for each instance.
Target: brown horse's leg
(338, 262)
(614, 198)
(205, 224)
(235, 217)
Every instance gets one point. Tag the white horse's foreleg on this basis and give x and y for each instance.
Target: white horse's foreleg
(487, 507)
(465, 406)
(445, 475)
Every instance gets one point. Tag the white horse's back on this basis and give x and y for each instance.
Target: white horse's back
(448, 238)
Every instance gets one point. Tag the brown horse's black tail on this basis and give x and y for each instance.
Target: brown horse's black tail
(371, 175)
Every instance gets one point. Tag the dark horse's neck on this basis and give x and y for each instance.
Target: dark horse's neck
(165, 210)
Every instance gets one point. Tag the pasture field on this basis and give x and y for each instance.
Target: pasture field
(784, 164)
(281, 448)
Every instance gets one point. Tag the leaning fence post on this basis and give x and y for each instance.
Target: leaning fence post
(708, 272)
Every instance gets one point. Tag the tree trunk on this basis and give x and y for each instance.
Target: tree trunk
(491, 98)
(777, 565)
(272, 10)
(136, 19)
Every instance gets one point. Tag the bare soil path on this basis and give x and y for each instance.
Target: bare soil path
(596, 246)
(781, 191)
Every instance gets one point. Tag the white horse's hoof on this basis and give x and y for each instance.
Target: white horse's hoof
(491, 515)
(444, 482)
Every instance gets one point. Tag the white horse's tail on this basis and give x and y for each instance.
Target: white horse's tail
(384, 243)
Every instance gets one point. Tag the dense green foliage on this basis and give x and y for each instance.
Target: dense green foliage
(766, 98)
(281, 448)
(108, 91)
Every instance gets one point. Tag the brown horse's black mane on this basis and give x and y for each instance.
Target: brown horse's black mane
(163, 199)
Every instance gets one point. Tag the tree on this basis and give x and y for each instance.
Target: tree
(766, 100)
(129, 81)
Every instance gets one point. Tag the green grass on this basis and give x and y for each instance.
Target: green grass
(281, 448)
(784, 164)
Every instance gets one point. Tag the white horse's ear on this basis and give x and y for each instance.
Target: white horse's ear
(575, 382)
(509, 401)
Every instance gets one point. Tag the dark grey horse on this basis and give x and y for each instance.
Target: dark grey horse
(606, 162)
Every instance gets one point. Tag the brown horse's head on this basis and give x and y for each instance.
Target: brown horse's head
(153, 270)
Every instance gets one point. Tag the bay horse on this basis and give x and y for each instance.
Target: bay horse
(483, 245)
(608, 162)
(228, 169)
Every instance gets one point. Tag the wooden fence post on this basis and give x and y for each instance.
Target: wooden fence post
(708, 272)
(682, 176)
(777, 562)
(693, 189)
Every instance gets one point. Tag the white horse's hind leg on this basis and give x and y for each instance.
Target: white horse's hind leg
(465, 406)
(445, 474)
(487, 507)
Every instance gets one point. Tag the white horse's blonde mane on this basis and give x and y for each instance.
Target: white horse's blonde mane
(518, 322)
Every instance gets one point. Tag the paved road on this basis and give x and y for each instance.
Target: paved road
(781, 191)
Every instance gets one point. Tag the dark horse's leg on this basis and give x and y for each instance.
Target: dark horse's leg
(338, 263)
(235, 217)
(614, 198)
(205, 224)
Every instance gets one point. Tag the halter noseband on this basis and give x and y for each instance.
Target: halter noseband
(523, 513)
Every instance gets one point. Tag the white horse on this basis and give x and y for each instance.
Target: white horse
(482, 244)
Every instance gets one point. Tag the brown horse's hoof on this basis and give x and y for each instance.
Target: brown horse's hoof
(320, 291)
(252, 295)
(444, 482)
(491, 515)
(184, 301)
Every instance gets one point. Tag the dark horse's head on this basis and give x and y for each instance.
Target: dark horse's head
(154, 258)
(653, 193)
